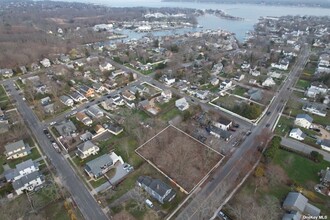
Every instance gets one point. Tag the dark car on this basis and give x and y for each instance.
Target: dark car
(267, 125)
(268, 113)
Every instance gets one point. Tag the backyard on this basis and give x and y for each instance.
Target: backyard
(287, 172)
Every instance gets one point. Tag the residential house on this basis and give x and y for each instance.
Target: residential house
(293, 215)
(316, 88)
(106, 67)
(239, 77)
(118, 100)
(223, 124)
(22, 169)
(296, 202)
(254, 72)
(274, 75)
(6, 72)
(169, 81)
(182, 104)
(325, 144)
(98, 87)
(117, 73)
(128, 96)
(324, 64)
(16, 150)
(220, 133)
(315, 108)
(99, 166)
(66, 100)
(296, 133)
(40, 88)
(109, 105)
(269, 82)
(66, 128)
(214, 81)
(149, 107)
(217, 68)
(94, 112)
(82, 117)
(303, 120)
(202, 94)
(157, 189)
(28, 182)
(99, 129)
(165, 96)
(45, 62)
(245, 66)
(77, 97)
(282, 65)
(86, 136)
(86, 149)
(252, 81)
(255, 94)
(114, 129)
(225, 84)
(86, 91)
(325, 177)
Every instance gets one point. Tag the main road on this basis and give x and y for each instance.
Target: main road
(235, 165)
(82, 197)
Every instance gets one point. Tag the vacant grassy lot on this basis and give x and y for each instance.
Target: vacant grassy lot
(287, 172)
(182, 158)
(284, 126)
(302, 84)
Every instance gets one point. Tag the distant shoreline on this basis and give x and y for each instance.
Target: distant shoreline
(287, 4)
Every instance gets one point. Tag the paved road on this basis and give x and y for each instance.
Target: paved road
(304, 148)
(85, 202)
(234, 165)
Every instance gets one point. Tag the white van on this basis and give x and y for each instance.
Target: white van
(149, 203)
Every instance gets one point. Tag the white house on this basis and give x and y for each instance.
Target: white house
(280, 66)
(325, 144)
(296, 133)
(315, 108)
(169, 81)
(106, 67)
(165, 96)
(315, 89)
(303, 120)
(86, 149)
(223, 124)
(22, 169)
(6, 72)
(45, 62)
(16, 150)
(202, 94)
(269, 82)
(214, 81)
(225, 84)
(66, 100)
(324, 63)
(182, 104)
(28, 182)
(254, 72)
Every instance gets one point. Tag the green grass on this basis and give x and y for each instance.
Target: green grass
(284, 126)
(167, 116)
(239, 91)
(2, 91)
(33, 155)
(299, 168)
(2, 161)
(302, 84)
(98, 182)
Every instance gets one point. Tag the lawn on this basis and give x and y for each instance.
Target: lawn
(302, 84)
(33, 155)
(299, 168)
(2, 161)
(98, 182)
(284, 126)
(239, 91)
(2, 91)
(167, 116)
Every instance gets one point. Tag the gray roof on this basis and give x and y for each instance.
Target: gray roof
(64, 98)
(295, 199)
(299, 132)
(155, 185)
(11, 174)
(14, 146)
(223, 134)
(26, 179)
(325, 142)
(312, 210)
(305, 116)
(66, 128)
(292, 216)
(224, 121)
(94, 112)
(86, 146)
(96, 166)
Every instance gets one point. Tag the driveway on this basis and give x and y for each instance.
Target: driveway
(119, 175)
(304, 148)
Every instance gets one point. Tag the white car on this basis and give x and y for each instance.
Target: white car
(52, 123)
